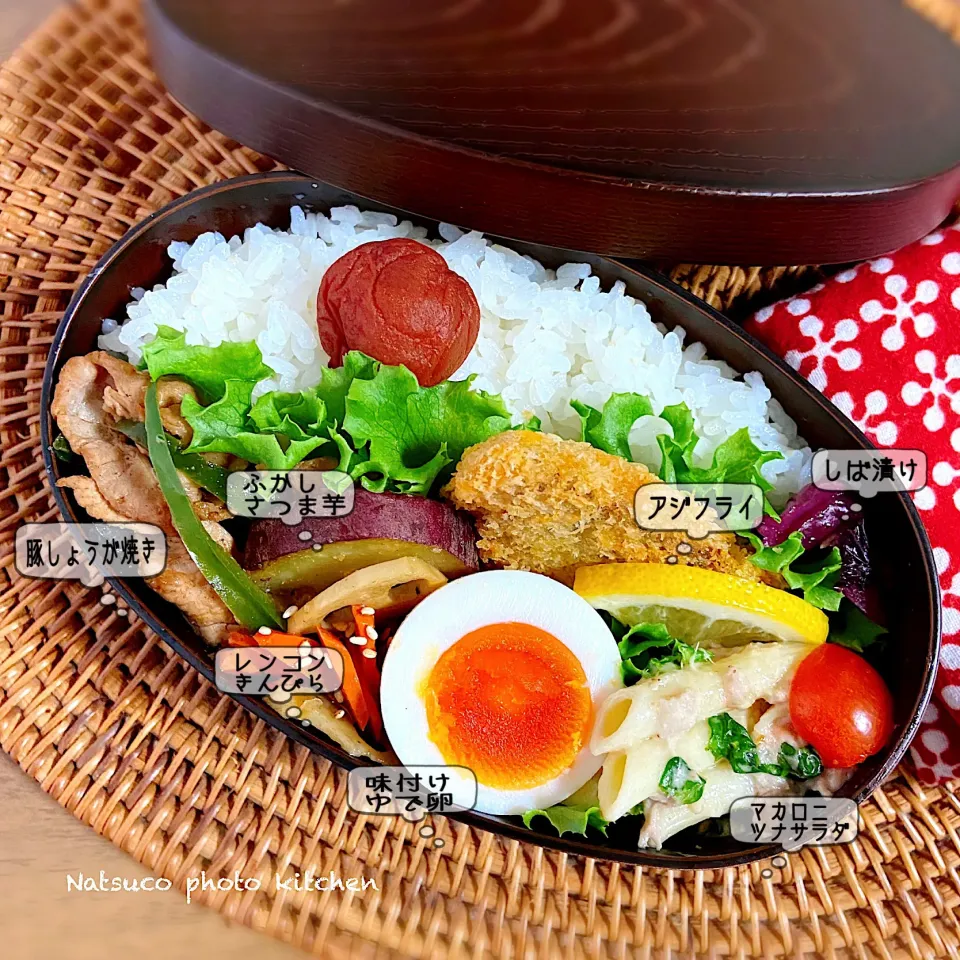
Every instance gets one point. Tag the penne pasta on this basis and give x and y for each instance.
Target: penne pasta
(723, 787)
(672, 703)
(631, 776)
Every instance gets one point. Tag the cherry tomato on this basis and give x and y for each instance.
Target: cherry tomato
(397, 301)
(840, 705)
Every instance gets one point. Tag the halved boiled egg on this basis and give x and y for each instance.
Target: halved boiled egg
(503, 673)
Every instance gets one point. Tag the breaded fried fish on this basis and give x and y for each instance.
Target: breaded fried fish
(550, 505)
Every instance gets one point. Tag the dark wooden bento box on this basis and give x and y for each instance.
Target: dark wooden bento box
(763, 132)
(902, 553)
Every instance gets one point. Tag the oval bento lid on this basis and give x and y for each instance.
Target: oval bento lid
(737, 131)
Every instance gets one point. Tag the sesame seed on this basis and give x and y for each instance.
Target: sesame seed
(264, 631)
(371, 633)
(367, 611)
(359, 641)
(370, 654)
(340, 714)
(290, 611)
(338, 697)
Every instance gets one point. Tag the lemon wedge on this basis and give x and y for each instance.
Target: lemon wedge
(700, 606)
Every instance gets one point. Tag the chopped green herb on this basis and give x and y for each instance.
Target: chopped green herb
(730, 741)
(680, 782)
(802, 764)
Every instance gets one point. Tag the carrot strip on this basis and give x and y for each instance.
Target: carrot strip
(352, 689)
(238, 639)
(365, 659)
(277, 639)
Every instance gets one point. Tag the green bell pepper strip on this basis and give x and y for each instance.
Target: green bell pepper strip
(206, 475)
(252, 607)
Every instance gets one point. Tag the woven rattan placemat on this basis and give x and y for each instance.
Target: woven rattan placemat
(137, 745)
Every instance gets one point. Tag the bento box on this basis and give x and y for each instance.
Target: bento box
(493, 602)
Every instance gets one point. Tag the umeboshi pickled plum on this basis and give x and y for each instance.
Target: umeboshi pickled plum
(398, 302)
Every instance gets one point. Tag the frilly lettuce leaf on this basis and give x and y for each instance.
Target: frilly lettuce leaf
(817, 579)
(609, 429)
(648, 649)
(775, 559)
(737, 460)
(294, 415)
(415, 432)
(855, 630)
(566, 819)
(386, 430)
(224, 426)
(676, 450)
(579, 811)
(207, 368)
(335, 382)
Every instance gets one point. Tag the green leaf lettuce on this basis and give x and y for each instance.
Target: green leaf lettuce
(415, 432)
(648, 650)
(207, 368)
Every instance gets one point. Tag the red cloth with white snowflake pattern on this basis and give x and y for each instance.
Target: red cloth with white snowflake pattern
(882, 341)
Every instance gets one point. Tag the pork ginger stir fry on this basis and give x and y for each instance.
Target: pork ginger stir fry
(94, 393)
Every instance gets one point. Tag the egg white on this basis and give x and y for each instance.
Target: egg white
(474, 601)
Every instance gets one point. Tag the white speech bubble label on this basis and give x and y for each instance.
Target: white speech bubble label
(89, 552)
(411, 792)
(794, 822)
(279, 672)
(289, 495)
(869, 472)
(698, 509)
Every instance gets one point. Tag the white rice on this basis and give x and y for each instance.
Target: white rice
(545, 337)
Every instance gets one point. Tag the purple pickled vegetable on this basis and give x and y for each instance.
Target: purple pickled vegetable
(817, 514)
(855, 581)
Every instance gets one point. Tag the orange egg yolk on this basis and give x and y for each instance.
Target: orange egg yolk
(511, 702)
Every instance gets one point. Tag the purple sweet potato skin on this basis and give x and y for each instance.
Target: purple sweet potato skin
(395, 516)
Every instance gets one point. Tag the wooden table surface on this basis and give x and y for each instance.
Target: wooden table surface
(41, 843)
